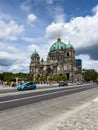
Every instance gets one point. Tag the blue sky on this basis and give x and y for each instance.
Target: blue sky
(26, 25)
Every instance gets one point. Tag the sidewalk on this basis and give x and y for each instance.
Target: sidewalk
(86, 118)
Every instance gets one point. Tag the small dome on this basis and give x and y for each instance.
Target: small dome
(35, 53)
(69, 46)
(58, 45)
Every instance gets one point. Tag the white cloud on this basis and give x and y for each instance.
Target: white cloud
(88, 63)
(13, 59)
(7, 47)
(59, 15)
(33, 47)
(81, 31)
(95, 10)
(31, 39)
(14, 62)
(31, 18)
(53, 29)
(20, 60)
(42, 50)
(10, 31)
(6, 59)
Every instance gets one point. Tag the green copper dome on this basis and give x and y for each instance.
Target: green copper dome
(69, 46)
(35, 53)
(58, 45)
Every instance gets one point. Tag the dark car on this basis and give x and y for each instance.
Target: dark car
(27, 86)
(62, 83)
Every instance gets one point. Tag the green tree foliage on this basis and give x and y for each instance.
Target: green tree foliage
(1, 76)
(90, 75)
(58, 77)
(42, 78)
(8, 76)
(37, 79)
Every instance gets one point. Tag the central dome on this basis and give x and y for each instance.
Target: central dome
(57, 46)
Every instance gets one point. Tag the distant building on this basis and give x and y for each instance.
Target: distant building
(60, 60)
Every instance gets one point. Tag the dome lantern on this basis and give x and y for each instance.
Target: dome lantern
(58, 46)
(59, 38)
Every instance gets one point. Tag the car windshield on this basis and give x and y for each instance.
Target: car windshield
(62, 82)
(29, 83)
(24, 83)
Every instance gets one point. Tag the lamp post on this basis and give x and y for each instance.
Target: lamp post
(72, 73)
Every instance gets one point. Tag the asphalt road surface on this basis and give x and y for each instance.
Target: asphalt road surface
(30, 110)
(13, 101)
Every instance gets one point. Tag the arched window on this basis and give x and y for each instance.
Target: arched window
(67, 53)
(61, 47)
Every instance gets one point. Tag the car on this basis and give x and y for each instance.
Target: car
(79, 83)
(97, 82)
(27, 86)
(62, 83)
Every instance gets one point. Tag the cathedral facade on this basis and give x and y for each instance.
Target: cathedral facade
(60, 60)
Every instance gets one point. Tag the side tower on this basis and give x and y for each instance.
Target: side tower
(34, 64)
(70, 62)
(79, 70)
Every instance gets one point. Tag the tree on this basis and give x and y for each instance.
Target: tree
(8, 76)
(1, 77)
(42, 78)
(58, 77)
(90, 75)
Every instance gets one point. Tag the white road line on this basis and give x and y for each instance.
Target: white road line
(33, 96)
(37, 90)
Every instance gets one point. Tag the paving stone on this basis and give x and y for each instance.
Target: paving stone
(86, 119)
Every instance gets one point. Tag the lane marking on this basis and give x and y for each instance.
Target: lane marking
(13, 100)
(37, 90)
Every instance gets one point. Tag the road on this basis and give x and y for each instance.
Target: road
(6, 89)
(21, 99)
(41, 105)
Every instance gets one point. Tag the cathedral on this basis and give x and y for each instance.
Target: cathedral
(60, 60)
